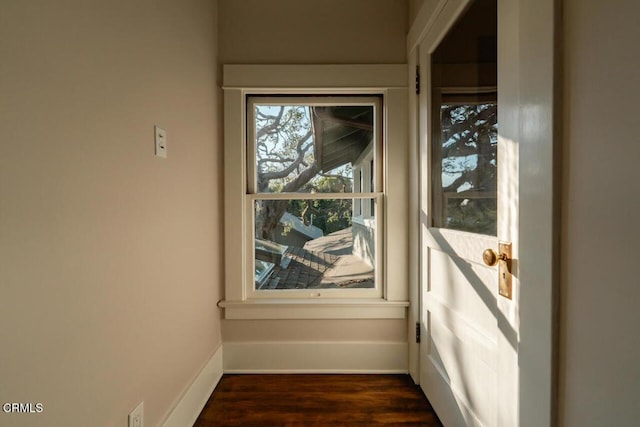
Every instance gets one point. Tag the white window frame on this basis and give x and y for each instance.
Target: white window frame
(387, 81)
(363, 180)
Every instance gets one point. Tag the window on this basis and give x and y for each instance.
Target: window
(302, 152)
(464, 171)
(309, 199)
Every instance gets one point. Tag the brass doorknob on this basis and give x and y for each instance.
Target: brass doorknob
(491, 257)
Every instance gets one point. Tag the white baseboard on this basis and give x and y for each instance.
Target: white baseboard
(316, 357)
(189, 407)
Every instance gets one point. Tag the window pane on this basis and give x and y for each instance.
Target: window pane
(307, 148)
(468, 160)
(313, 244)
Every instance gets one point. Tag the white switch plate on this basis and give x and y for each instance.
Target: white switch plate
(161, 142)
(136, 417)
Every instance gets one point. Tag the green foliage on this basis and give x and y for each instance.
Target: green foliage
(329, 215)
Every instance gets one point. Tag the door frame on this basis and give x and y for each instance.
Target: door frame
(537, 68)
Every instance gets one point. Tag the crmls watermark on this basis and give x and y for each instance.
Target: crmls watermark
(22, 408)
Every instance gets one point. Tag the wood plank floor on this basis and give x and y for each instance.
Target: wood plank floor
(317, 400)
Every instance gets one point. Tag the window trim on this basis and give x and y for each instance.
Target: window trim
(389, 81)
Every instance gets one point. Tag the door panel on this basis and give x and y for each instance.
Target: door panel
(448, 285)
(469, 366)
(460, 352)
(459, 371)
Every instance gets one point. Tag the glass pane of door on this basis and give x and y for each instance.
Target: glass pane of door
(467, 168)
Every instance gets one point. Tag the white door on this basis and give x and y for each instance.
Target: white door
(481, 351)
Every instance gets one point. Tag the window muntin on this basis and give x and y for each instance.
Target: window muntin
(302, 156)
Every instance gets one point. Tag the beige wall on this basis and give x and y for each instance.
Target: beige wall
(299, 32)
(414, 8)
(109, 257)
(316, 32)
(600, 343)
(365, 330)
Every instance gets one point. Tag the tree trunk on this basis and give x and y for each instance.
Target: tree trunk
(268, 217)
(271, 211)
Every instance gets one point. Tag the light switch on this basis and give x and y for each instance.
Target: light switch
(161, 142)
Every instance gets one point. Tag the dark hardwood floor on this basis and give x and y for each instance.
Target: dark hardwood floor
(317, 400)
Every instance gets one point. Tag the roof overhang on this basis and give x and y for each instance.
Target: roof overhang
(341, 134)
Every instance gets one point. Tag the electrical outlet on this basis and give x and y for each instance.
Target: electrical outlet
(161, 142)
(136, 417)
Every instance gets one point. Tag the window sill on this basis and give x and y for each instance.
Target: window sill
(315, 309)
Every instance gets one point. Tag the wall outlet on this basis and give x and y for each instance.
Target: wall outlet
(136, 417)
(161, 142)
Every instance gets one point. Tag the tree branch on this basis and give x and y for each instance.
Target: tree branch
(271, 127)
(272, 160)
(266, 176)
